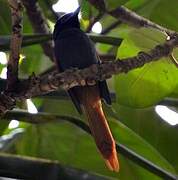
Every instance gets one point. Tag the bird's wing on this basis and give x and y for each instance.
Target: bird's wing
(104, 92)
(75, 99)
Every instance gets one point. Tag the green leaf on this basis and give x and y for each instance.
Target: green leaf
(126, 136)
(87, 10)
(147, 124)
(170, 15)
(46, 7)
(3, 125)
(35, 61)
(148, 85)
(113, 4)
(59, 141)
(5, 18)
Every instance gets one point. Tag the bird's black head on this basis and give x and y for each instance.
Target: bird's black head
(67, 21)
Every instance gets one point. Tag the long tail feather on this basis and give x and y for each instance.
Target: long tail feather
(99, 127)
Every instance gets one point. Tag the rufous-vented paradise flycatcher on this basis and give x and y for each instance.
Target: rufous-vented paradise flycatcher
(74, 49)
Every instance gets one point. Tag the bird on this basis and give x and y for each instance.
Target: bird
(74, 49)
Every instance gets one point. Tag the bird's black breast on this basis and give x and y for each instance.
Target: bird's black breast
(73, 48)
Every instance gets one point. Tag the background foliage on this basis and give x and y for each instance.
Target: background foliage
(132, 117)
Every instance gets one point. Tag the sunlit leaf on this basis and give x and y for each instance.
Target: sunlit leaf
(148, 85)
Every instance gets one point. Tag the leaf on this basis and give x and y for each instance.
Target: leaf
(7, 140)
(35, 61)
(158, 133)
(113, 4)
(87, 10)
(46, 7)
(170, 15)
(3, 125)
(148, 85)
(58, 141)
(99, 4)
(126, 136)
(5, 18)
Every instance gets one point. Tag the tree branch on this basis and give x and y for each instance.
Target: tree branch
(111, 27)
(32, 39)
(15, 44)
(131, 18)
(22, 167)
(93, 21)
(97, 72)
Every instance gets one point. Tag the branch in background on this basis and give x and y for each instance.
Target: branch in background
(128, 153)
(130, 17)
(31, 39)
(35, 86)
(146, 164)
(15, 44)
(39, 24)
(22, 167)
(111, 27)
(93, 21)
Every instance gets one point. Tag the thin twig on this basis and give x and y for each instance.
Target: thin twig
(32, 39)
(146, 164)
(174, 60)
(15, 44)
(93, 21)
(130, 17)
(111, 27)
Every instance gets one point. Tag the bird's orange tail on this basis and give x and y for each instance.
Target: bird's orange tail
(99, 126)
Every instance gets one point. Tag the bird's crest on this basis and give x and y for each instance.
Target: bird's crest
(69, 20)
